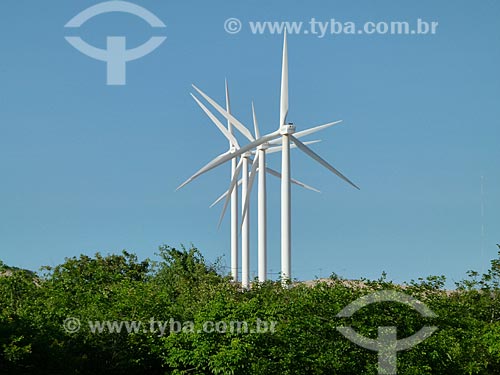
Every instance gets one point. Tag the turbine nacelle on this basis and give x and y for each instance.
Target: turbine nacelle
(287, 129)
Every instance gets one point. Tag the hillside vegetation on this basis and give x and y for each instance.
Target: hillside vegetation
(181, 287)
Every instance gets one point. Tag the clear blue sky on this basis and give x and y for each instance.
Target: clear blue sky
(87, 167)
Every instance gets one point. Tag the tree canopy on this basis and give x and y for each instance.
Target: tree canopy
(180, 286)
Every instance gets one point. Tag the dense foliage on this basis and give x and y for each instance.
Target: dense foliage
(182, 287)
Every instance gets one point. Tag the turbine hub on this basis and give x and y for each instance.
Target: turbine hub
(287, 129)
(263, 146)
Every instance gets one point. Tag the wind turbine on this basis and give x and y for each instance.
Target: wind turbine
(233, 146)
(285, 133)
(236, 166)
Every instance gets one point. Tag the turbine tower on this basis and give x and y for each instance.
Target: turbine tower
(234, 199)
(286, 131)
(262, 204)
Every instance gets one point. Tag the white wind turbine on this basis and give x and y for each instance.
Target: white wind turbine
(246, 183)
(233, 146)
(286, 133)
(243, 164)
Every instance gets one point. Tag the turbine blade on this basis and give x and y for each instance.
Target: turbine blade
(229, 155)
(228, 109)
(220, 198)
(204, 169)
(305, 132)
(227, 115)
(274, 149)
(232, 140)
(284, 83)
(320, 160)
(305, 186)
(315, 129)
(255, 124)
(230, 190)
(274, 173)
(253, 173)
(223, 196)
